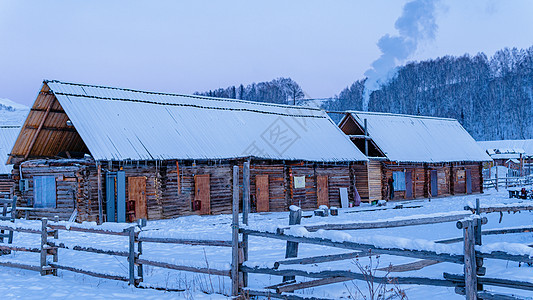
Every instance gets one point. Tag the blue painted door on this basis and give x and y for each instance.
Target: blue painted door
(116, 196)
(44, 191)
(110, 181)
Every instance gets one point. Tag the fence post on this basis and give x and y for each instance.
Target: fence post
(295, 218)
(131, 256)
(469, 258)
(44, 246)
(13, 217)
(235, 234)
(245, 212)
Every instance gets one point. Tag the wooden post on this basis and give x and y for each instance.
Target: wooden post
(55, 251)
(131, 256)
(140, 273)
(469, 258)
(366, 137)
(44, 246)
(13, 217)
(496, 175)
(245, 212)
(478, 224)
(100, 201)
(295, 218)
(235, 234)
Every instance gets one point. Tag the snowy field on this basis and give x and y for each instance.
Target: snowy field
(22, 284)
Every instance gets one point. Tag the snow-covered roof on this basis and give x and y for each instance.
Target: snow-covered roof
(405, 138)
(8, 135)
(123, 124)
(516, 147)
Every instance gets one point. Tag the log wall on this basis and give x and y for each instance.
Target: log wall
(6, 184)
(170, 186)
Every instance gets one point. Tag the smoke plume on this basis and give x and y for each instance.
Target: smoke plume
(416, 23)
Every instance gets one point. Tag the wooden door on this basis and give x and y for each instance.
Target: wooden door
(203, 193)
(408, 185)
(468, 181)
(261, 186)
(434, 183)
(322, 190)
(137, 195)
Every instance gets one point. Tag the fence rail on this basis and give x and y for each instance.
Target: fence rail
(507, 181)
(50, 244)
(470, 222)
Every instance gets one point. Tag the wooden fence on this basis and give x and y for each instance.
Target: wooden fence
(470, 283)
(508, 181)
(50, 244)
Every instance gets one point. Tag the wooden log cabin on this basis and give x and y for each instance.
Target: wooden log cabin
(94, 153)
(8, 134)
(421, 157)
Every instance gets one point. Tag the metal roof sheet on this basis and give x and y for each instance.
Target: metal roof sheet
(508, 146)
(406, 138)
(8, 135)
(122, 124)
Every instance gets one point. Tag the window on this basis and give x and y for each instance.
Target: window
(44, 191)
(399, 181)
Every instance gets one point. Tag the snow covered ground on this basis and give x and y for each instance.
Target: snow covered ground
(28, 284)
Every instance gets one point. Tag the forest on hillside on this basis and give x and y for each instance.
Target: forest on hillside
(492, 97)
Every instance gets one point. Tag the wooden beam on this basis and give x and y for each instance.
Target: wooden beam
(219, 243)
(41, 124)
(348, 274)
(90, 273)
(184, 268)
(424, 254)
(308, 284)
(320, 259)
(67, 129)
(387, 223)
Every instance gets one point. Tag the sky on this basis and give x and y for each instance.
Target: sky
(187, 46)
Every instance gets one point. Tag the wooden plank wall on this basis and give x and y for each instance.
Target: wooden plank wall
(338, 177)
(375, 179)
(306, 197)
(277, 184)
(359, 176)
(177, 203)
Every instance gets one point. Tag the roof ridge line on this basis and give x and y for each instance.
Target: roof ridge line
(399, 115)
(189, 96)
(190, 105)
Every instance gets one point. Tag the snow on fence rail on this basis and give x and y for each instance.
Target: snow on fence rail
(470, 254)
(507, 181)
(50, 243)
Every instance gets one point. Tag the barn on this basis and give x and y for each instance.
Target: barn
(94, 153)
(8, 134)
(415, 156)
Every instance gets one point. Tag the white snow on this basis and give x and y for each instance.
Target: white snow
(264, 252)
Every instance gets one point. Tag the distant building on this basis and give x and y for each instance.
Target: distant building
(415, 156)
(516, 155)
(113, 154)
(8, 135)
